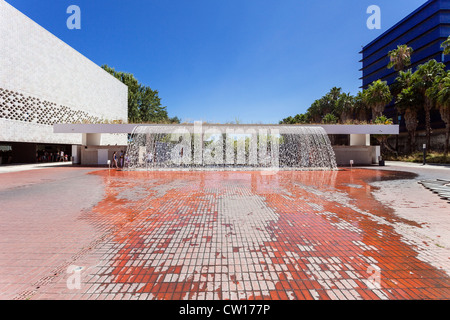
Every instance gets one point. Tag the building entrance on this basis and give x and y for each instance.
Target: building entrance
(21, 152)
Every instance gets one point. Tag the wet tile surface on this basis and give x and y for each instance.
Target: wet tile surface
(228, 235)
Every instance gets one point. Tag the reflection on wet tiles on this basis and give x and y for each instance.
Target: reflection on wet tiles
(243, 235)
(353, 185)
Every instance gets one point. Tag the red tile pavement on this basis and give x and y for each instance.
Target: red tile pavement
(210, 235)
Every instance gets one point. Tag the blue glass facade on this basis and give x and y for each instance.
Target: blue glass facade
(424, 30)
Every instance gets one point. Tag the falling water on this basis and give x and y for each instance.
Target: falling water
(229, 147)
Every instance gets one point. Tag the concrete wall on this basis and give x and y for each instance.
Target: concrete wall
(99, 155)
(44, 81)
(76, 154)
(21, 131)
(437, 141)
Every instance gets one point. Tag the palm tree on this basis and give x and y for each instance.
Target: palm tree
(403, 80)
(326, 104)
(408, 101)
(345, 107)
(288, 120)
(446, 45)
(335, 93)
(329, 118)
(427, 74)
(360, 108)
(440, 93)
(315, 111)
(383, 138)
(400, 58)
(377, 96)
(301, 118)
(443, 101)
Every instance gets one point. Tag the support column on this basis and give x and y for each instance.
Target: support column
(76, 154)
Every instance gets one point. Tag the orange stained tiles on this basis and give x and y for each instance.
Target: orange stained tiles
(244, 235)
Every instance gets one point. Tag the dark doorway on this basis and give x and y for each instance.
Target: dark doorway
(22, 152)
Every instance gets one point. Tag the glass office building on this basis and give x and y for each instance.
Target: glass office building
(423, 30)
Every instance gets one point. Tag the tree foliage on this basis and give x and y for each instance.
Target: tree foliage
(400, 58)
(408, 102)
(426, 75)
(336, 106)
(329, 118)
(377, 96)
(426, 88)
(144, 104)
(446, 46)
(439, 93)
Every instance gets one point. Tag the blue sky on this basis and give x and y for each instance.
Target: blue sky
(257, 61)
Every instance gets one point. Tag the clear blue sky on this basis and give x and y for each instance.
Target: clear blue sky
(258, 61)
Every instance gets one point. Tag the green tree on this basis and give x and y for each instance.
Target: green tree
(329, 118)
(383, 120)
(376, 97)
(150, 109)
(446, 46)
(144, 104)
(335, 93)
(331, 100)
(174, 120)
(345, 106)
(443, 102)
(440, 93)
(326, 104)
(133, 89)
(298, 119)
(315, 111)
(288, 120)
(400, 58)
(408, 102)
(302, 118)
(360, 107)
(427, 74)
(383, 138)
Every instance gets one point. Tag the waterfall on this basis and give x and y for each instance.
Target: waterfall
(229, 147)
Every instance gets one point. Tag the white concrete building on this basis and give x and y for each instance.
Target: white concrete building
(44, 81)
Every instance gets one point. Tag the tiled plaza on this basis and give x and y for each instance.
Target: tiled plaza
(89, 233)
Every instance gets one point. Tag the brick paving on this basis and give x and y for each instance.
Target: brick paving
(72, 233)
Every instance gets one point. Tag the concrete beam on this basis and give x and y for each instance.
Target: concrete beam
(128, 128)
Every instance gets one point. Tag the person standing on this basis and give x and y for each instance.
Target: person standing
(121, 158)
(115, 160)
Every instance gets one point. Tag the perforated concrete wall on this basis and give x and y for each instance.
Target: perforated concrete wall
(44, 81)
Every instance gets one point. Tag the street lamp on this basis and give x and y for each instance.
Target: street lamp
(424, 154)
(396, 137)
